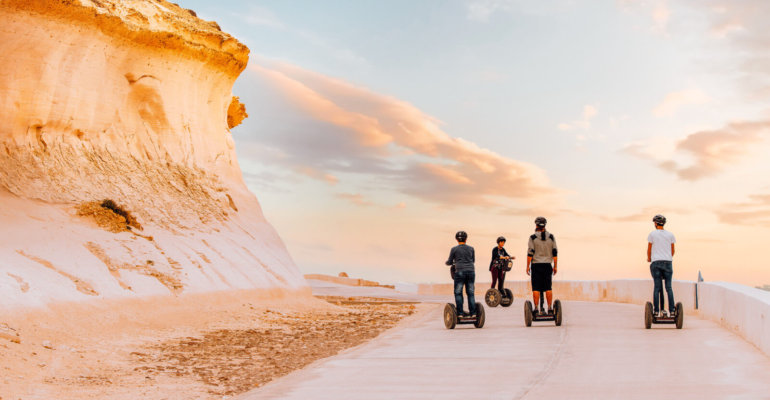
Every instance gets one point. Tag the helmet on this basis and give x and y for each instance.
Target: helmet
(540, 221)
(461, 236)
(500, 239)
(659, 220)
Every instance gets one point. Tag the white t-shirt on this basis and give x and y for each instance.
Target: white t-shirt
(661, 240)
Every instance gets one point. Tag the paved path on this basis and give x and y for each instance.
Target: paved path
(601, 352)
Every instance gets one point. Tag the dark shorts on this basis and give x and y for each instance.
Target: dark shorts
(541, 277)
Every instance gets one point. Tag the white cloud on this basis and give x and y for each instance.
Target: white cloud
(583, 123)
(676, 100)
(261, 16)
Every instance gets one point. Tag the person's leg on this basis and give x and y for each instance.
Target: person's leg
(459, 292)
(656, 279)
(494, 276)
(501, 282)
(470, 289)
(668, 273)
(535, 287)
(548, 277)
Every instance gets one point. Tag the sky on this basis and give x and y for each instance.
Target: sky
(377, 129)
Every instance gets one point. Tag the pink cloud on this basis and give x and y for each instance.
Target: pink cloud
(673, 101)
(754, 212)
(355, 198)
(712, 151)
(424, 161)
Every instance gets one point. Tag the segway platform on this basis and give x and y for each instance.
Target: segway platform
(451, 319)
(555, 315)
(493, 298)
(676, 319)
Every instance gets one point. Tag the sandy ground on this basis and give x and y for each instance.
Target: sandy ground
(196, 347)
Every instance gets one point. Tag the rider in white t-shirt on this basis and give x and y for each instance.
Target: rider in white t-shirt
(660, 253)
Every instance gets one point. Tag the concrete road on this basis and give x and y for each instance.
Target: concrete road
(602, 351)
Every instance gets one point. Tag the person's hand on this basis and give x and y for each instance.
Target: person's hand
(527, 270)
(554, 270)
(513, 257)
(648, 259)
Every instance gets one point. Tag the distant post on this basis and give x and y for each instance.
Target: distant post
(700, 279)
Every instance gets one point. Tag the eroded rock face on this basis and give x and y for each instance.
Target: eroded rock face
(128, 100)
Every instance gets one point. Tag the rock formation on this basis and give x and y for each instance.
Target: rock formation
(118, 174)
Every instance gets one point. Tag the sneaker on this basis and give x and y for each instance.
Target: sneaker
(656, 314)
(672, 313)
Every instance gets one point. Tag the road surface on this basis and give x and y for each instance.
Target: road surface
(602, 351)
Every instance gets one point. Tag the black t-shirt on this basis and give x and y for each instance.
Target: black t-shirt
(496, 256)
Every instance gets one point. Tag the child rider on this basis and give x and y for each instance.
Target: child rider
(500, 258)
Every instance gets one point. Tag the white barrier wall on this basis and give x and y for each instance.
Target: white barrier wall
(740, 308)
(635, 291)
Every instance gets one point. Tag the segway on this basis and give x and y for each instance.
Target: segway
(650, 318)
(451, 319)
(493, 298)
(554, 315)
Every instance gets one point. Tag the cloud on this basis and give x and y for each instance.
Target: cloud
(711, 151)
(676, 100)
(355, 198)
(584, 122)
(481, 10)
(754, 212)
(661, 15)
(658, 11)
(393, 142)
(260, 16)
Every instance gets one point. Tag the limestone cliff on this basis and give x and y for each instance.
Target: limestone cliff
(128, 101)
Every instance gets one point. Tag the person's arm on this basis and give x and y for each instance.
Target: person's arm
(555, 261)
(473, 255)
(672, 250)
(530, 253)
(494, 257)
(555, 253)
(451, 259)
(649, 251)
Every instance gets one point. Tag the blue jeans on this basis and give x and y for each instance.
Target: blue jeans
(468, 279)
(662, 270)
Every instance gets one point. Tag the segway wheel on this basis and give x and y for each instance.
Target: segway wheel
(480, 316)
(679, 315)
(492, 298)
(508, 300)
(528, 313)
(648, 315)
(557, 312)
(450, 316)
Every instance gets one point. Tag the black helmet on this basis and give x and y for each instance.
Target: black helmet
(500, 239)
(540, 221)
(659, 220)
(461, 236)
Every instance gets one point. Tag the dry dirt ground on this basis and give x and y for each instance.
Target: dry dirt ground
(192, 349)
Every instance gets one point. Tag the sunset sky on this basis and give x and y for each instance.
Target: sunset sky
(379, 128)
